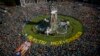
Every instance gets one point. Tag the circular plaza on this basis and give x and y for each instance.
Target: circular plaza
(73, 32)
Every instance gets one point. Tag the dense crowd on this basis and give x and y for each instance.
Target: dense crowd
(14, 19)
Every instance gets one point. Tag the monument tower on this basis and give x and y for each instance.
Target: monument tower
(53, 19)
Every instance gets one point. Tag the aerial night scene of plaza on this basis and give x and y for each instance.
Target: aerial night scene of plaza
(49, 27)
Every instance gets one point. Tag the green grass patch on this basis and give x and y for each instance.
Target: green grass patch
(75, 26)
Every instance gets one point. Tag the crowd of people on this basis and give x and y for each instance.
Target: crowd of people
(14, 20)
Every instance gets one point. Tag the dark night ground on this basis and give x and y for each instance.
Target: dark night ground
(87, 45)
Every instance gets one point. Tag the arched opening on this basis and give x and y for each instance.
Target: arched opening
(52, 0)
(17, 2)
(35, 1)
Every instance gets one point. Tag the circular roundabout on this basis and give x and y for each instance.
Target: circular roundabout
(68, 30)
